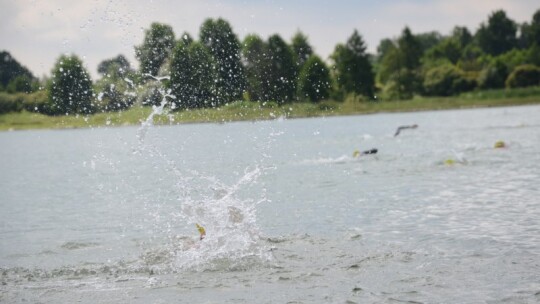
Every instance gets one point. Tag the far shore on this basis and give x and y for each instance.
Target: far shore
(251, 111)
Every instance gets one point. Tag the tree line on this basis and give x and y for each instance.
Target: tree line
(218, 68)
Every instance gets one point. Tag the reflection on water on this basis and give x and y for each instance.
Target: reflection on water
(290, 213)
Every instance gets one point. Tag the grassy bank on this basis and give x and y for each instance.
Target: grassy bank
(255, 111)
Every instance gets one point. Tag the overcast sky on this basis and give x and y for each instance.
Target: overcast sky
(36, 32)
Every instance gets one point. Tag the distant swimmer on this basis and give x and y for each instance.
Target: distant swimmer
(202, 232)
(357, 153)
(405, 127)
(499, 144)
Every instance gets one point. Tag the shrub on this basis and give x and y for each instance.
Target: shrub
(524, 76)
(36, 102)
(9, 103)
(401, 85)
(21, 83)
(149, 93)
(446, 80)
(493, 76)
(113, 95)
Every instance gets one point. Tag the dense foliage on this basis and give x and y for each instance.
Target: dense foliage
(314, 80)
(354, 73)
(70, 89)
(222, 43)
(218, 69)
(156, 47)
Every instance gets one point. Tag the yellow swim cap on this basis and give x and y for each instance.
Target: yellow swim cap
(356, 153)
(499, 144)
(449, 162)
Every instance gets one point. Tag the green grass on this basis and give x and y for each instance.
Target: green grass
(243, 110)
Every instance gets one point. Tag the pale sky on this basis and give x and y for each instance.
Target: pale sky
(37, 32)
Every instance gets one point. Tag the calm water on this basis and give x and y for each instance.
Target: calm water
(107, 215)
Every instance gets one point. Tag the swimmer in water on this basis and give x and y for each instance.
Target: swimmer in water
(499, 144)
(405, 127)
(370, 151)
(202, 232)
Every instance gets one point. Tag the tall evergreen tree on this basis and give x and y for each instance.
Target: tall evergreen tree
(186, 38)
(70, 88)
(410, 48)
(353, 68)
(11, 68)
(156, 47)
(384, 46)
(429, 39)
(222, 42)
(462, 35)
(400, 67)
(256, 64)
(301, 48)
(314, 80)
(499, 35)
(535, 29)
(281, 73)
(193, 75)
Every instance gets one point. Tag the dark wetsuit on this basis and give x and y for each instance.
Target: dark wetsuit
(372, 151)
(405, 127)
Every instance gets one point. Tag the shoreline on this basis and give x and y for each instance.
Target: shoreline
(248, 111)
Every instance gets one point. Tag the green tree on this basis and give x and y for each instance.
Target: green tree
(448, 49)
(281, 72)
(193, 75)
(256, 65)
(493, 76)
(156, 47)
(524, 76)
(301, 48)
(10, 68)
(462, 35)
(70, 88)
(186, 38)
(470, 58)
(314, 80)
(400, 67)
(117, 66)
(499, 35)
(115, 90)
(354, 73)
(428, 40)
(384, 46)
(222, 42)
(530, 33)
(21, 83)
(535, 28)
(446, 80)
(114, 94)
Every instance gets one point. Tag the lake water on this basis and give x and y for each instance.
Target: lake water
(438, 215)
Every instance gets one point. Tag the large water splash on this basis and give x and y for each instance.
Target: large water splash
(232, 235)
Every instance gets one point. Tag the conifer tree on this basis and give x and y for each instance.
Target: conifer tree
(70, 88)
(156, 47)
(314, 80)
(281, 72)
(353, 69)
(222, 42)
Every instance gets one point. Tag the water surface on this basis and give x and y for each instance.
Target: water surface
(101, 215)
